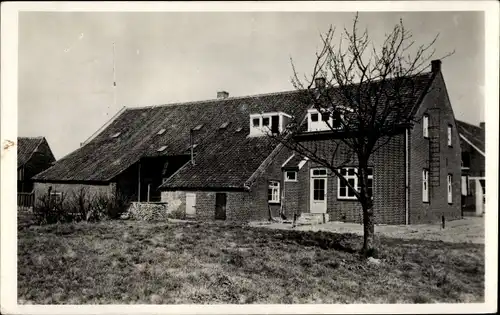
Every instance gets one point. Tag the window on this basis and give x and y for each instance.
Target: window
(239, 129)
(350, 174)
(465, 160)
(449, 135)
(425, 185)
(450, 190)
(55, 197)
(256, 122)
(162, 148)
(161, 131)
(116, 135)
(198, 127)
(290, 176)
(265, 121)
(273, 192)
(425, 126)
(224, 125)
(319, 172)
(314, 117)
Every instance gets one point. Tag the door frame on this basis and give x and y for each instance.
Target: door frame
(311, 188)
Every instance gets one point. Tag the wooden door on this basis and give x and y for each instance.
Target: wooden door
(220, 206)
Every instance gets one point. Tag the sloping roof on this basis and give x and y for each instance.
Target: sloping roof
(26, 146)
(224, 157)
(472, 133)
(223, 153)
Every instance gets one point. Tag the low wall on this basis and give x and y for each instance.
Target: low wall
(153, 211)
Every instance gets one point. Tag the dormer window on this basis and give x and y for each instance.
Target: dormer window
(198, 127)
(162, 148)
(161, 131)
(268, 123)
(314, 117)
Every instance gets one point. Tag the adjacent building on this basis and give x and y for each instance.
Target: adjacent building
(213, 161)
(472, 142)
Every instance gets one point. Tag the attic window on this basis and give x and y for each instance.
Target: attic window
(116, 135)
(198, 127)
(224, 125)
(162, 148)
(161, 131)
(239, 129)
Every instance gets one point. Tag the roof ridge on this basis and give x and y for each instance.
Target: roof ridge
(214, 100)
(244, 96)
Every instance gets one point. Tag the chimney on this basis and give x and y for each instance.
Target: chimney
(222, 95)
(320, 82)
(436, 65)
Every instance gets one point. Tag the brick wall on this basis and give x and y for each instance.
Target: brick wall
(450, 160)
(388, 184)
(240, 206)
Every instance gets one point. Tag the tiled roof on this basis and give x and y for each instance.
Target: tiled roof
(26, 146)
(224, 157)
(473, 133)
(229, 152)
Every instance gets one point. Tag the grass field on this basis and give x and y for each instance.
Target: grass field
(122, 262)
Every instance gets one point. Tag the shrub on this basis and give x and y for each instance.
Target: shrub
(80, 206)
(177, 214)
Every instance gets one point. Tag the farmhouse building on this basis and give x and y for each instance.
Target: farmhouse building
(33, 156)
(472, 143)
(211, 160)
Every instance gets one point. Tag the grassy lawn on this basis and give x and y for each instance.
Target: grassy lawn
(122, 262)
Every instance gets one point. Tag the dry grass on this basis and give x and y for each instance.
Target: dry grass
(123, 262)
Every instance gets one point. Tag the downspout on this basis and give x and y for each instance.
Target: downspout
(139, 183)
(407, 193)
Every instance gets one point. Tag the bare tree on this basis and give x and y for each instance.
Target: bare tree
(365, 95)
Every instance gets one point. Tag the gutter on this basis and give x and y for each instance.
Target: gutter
(407, 170)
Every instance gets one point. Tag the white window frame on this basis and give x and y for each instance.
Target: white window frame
(274, 185)
(356, 186)
(55, 196)
(425, 126)
(425, 185)
(287, 179)
(449, 180)
(450, 133)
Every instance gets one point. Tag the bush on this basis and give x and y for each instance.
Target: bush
(177, 214)
(81, 206)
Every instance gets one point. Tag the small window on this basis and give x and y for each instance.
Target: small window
(238, 129)
(162, 148)
(273, 192)
(55, 197)
(450, 129)
(450, 190)
(319, 172)
(425, 185)
(265, 121)
(256, 122)
(425, 126)
(325, 116)
(290, 176)
(116, 135)
(465, 160)
(224, 125)
(198, 127)
(161, 131)
(314, 116)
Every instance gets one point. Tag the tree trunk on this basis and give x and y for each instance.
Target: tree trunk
(368, 229)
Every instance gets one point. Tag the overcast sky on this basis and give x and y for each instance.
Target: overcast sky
(66, 61)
